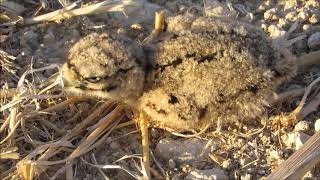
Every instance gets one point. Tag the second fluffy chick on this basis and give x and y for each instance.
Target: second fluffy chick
(212, 70)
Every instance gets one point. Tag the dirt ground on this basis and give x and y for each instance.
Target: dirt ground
(240, 151)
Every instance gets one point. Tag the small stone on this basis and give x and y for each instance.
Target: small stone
(275, 31)
(186, 168)
(289, 139)
(172, 164)
(314, 19)
(264, 6)
(317, 125)
(282, 22)
(246, 177)
(114, 145)
(270, 14)
(314, 41)
(302, 126)
(303, 15)
(291, 16)
(301, 138)
(306, 27)
(186, 151)
(273, 154)
(261, 172)
(209, 174)
(264, 26)
(301, 45)
(227, 164)
(244, 161)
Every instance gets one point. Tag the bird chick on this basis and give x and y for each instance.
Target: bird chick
(212, 70)
(209, 70)
(107, 63)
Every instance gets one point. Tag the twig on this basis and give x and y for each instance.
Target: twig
(279, 98)
(312, 58)
(143, 122)
(300, 162)
(158, 27)
(289, 119)
(64, 13)
(69, 170)
(310, 107)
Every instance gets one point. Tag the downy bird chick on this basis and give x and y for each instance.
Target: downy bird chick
(212, 70)
(209, 70)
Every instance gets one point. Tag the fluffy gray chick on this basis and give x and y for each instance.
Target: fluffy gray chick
(212, 70)
(107, 65)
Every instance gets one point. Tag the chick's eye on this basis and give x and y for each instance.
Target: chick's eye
(93, 79)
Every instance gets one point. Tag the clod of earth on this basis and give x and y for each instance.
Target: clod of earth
(205, 71)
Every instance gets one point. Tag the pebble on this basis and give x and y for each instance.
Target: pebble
(244, 161)
(270, 14)
(314, 19)
(227, 164)
(291, 16)
(172, 164)
(302, 126)
(301, 45)
(314, 41)
(275, 31)
(209, 174)
(261, 172)
(303, 15)
(301, 138)
(317, 125)
(273, 154)
(282, 22)
(184, 151)
(246, 177)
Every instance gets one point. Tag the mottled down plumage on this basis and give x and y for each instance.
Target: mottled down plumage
(210, 70)
(204, 71)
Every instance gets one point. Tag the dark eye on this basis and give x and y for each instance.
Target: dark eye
(93, 79)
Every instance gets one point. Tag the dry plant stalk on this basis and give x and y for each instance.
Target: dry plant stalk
(9, 153)
(300, 112)
(300, 162)
(67, 12)
(88, 144)
(143, 122)
(158, 27)
(159, 22)
(47, 151)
